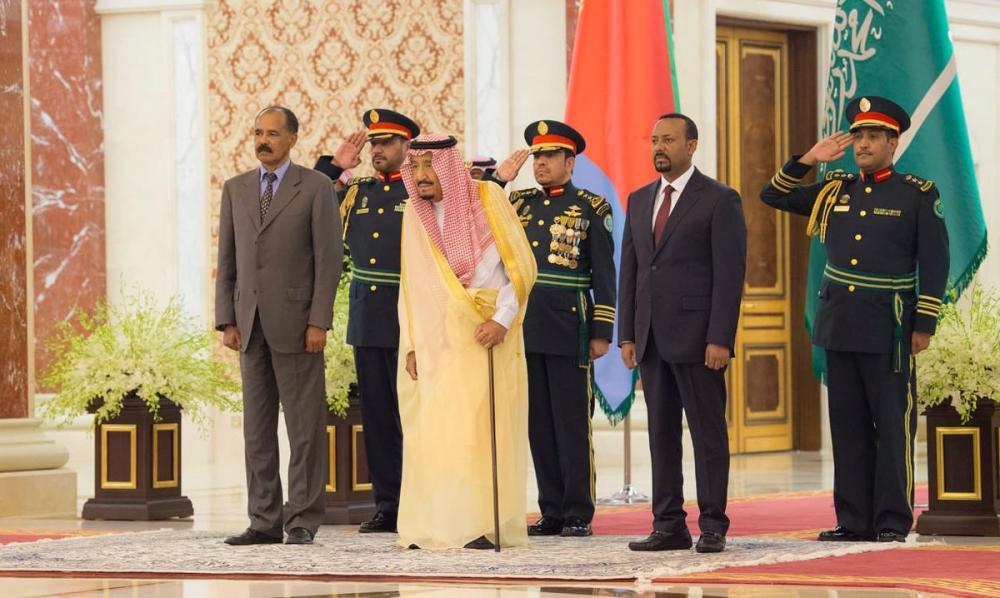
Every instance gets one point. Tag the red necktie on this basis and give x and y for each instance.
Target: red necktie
(660, 224)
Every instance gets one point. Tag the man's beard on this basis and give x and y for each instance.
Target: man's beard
(426, 193)
(664, 167)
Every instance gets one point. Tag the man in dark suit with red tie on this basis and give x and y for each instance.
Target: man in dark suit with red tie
(684, 252)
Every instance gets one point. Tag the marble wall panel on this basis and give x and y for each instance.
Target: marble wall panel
(67, 179)
(13, 233)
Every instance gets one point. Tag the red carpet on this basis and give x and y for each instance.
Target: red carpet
(799, 515)
(953, 570)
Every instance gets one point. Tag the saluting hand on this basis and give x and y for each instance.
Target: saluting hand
(348, 155)
(829, 149)
(511, 166)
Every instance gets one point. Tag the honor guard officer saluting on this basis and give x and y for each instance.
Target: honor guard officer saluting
(886, 271)
(371, 210)
(564, 328)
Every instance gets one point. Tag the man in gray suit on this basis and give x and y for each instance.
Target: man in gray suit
(279, 263)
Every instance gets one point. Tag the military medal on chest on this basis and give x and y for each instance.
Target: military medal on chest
(568, 229)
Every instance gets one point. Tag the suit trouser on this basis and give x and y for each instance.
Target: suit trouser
(873, 419)
(700, 392)
(559, 412)
(296, 381)
(376, 368)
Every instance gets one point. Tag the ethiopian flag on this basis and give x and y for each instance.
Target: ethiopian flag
(902, 51)
(621, 80)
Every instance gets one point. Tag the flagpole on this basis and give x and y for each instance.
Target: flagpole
(627, 494)
(493, 453)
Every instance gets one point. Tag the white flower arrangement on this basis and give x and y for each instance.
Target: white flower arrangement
(341, 379)
(139, 348)
(962, 364)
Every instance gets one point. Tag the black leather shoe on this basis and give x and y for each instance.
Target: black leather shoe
(839, 534)
(680, 540)
(576, 528)
(546, 526)
(888, 535)
(252, 536)
(380, 523)
(711, 542)
(480, 543)
(299, 535)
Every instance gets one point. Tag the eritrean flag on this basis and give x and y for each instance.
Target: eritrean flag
(621, 80)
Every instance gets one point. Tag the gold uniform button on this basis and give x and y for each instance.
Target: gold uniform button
(573, 309)
(854, 261)
(868, 189)
(386, 188)
(850, 288)
(373, 287)
(534, 243)
(863, 213)
(546, 202)
(857, 237)
(372, 261)
(381, 210)
(375, 235)
(541, 223)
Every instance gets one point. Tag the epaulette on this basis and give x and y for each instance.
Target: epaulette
(840, 175)
(360, 180)
(922, 184)
(597, 202)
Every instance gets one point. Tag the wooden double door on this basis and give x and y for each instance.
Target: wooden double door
(769, 380)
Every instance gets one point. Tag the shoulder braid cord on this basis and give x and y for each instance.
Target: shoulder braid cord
(345, 209)
(820, 215)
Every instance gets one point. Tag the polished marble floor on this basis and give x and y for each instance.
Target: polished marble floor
(223, 509)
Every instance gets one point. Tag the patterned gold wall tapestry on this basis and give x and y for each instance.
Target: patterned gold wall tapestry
(328, 60)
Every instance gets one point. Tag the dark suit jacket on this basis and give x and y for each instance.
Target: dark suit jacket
(686, 292)
(286, 268)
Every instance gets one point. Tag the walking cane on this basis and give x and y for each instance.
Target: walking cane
(493, 451)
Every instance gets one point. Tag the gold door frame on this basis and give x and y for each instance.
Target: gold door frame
(764, 331)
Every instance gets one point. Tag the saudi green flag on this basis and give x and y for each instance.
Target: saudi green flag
(902, 51)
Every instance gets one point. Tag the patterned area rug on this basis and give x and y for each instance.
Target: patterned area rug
(343, 553)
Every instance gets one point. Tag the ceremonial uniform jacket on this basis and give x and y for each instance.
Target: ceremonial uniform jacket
(569, 230)
(887, 254)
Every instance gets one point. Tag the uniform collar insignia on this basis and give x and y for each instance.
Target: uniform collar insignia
(877, 176)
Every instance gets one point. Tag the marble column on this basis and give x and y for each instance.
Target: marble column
(67, 165)
(513, 49)
(32, 481)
